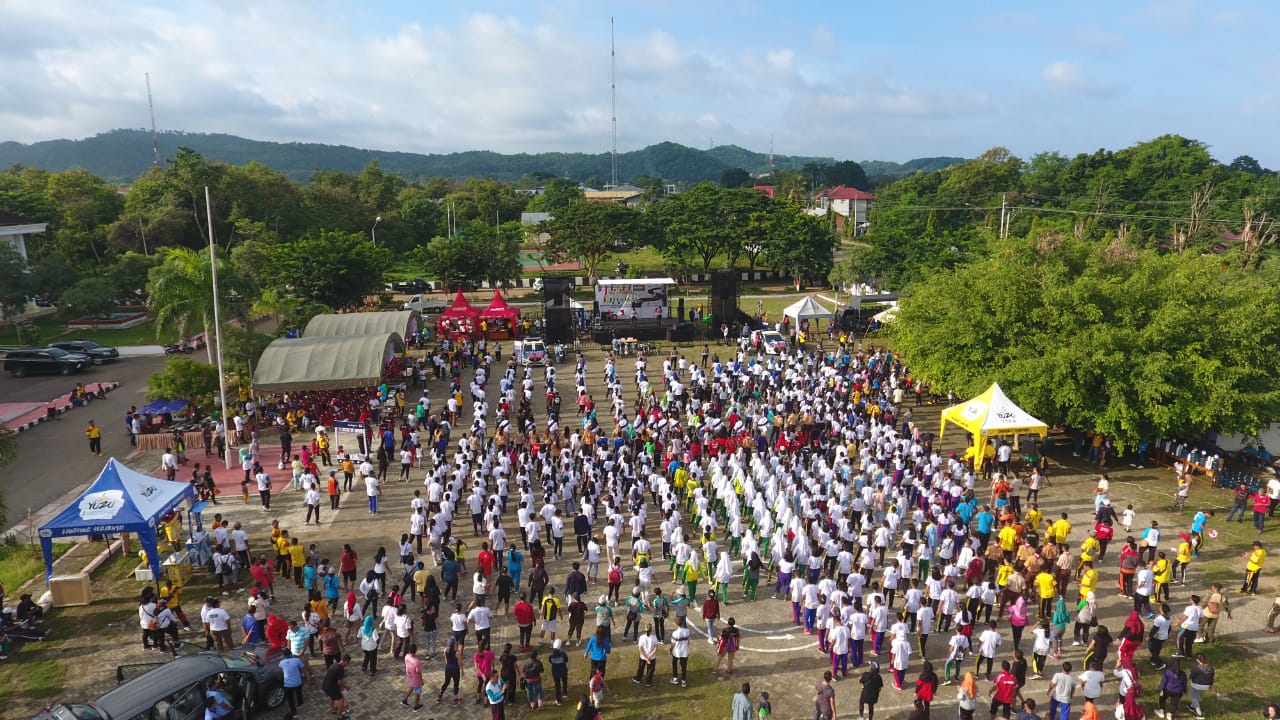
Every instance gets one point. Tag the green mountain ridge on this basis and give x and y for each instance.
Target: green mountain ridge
(122, 155)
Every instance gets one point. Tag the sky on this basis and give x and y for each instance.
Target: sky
(844, 79)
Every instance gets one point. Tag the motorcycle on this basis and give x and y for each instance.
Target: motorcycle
(178, 349)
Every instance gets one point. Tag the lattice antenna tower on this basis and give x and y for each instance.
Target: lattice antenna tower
(155, 141)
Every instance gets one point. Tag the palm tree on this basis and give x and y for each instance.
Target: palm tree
(279, 306)
(181, 292)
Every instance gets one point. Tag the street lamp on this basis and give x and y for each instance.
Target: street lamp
(374, 230)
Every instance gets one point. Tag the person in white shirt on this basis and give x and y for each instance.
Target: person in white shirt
(264, 489)
(219, 623)
(680, 653)
(372, 491)
(169, 462)
(480, 618)
(1190, 625)
(988, 642)
(312, 500)
(647, 644)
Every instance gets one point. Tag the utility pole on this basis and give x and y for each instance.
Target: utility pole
(613, 105)
(155, 142)
(1004, 222)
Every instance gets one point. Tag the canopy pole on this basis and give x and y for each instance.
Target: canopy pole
(217, 327)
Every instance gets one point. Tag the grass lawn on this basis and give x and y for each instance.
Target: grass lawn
(53, 328)
(20, 562)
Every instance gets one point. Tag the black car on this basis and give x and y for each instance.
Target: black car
(45, 360)
(97, 353)
(454, 286)
(175, 690)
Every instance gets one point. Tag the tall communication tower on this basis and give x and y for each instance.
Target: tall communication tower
(613, 104)
(770, 150)
(155, 142)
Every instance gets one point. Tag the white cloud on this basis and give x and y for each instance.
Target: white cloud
(1064, 74)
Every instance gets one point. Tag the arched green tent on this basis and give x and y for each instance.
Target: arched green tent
(325, 363)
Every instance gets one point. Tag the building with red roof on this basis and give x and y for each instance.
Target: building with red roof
(847, 204)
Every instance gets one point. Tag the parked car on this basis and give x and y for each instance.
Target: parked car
(44, 360)
(175, 690)
(424, 305)
(771, 341)
(532, 351)
(97, 353)
(417, 285)
(454, 286)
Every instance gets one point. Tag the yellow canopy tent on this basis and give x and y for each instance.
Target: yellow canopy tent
(991, 414)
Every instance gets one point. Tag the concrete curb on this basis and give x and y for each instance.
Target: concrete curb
(63, 406)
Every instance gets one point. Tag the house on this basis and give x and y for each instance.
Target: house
(14, 230)
(768, 190)
(622, 195)
(847, 204)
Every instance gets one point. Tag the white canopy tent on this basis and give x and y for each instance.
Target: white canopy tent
(807, 309)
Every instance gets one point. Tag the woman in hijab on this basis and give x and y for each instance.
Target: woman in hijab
(369, 644)
(352, 614)
(1131, 637)
(967, 696)
(1058, 625)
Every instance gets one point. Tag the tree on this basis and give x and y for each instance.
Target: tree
(697, 226)
(91, 297)
(799, 246)
(557, 194)
(734, 177)
(181, 292)
(276, 304)
(847, 173)
(1104, 336)
(8, 453)
(15, 284)
(128, 276)
(592, 232)
(185, 378)
(1244, 163)
(335, 268)
(50, 275)
(485, 200)
(478, 253)
(241, 349)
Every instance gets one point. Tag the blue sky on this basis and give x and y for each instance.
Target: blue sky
(849, 80)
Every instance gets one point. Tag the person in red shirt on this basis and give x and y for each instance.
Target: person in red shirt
(524, 615)
(485, 559)
(263, 573)
(277, 631)
(1004, 690)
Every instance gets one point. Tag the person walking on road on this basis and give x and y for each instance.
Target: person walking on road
(825, 704)
(94, 433)
(293, 669)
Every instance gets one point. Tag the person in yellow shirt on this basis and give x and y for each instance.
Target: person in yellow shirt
(1253, 568)
(1048, 588)
(281, 544)
(1163, 571)
(1060, 529)
(94, 433)
(1088, 579)
(1183, 558)
(1089, 550)
(298, 559)
(1034, 517)
(1008, 539)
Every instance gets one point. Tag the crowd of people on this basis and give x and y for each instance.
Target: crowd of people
(804, 471)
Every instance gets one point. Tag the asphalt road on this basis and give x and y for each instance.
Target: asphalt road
(53, 457)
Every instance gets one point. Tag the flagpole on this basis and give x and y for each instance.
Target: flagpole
(217, 330)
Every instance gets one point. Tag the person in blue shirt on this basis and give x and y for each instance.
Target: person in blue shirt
(515, 565)
(294, 669)
(252, 629)
(597, 650)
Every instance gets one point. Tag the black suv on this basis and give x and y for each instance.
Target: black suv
(46, 360)
(97, 353)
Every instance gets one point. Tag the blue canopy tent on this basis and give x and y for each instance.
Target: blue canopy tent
(174, 407)
(155, 407)
(120, 500)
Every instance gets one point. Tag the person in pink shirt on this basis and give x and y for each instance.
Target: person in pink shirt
(413, 675)
(1018, 619)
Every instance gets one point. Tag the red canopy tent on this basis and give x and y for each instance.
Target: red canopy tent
(500, 320)
(459, 321)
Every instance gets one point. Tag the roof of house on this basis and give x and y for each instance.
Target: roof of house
(618, 194)
(844, 193)
(766, 189)
(8, 218)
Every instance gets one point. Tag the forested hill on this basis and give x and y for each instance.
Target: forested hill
(121, 155)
